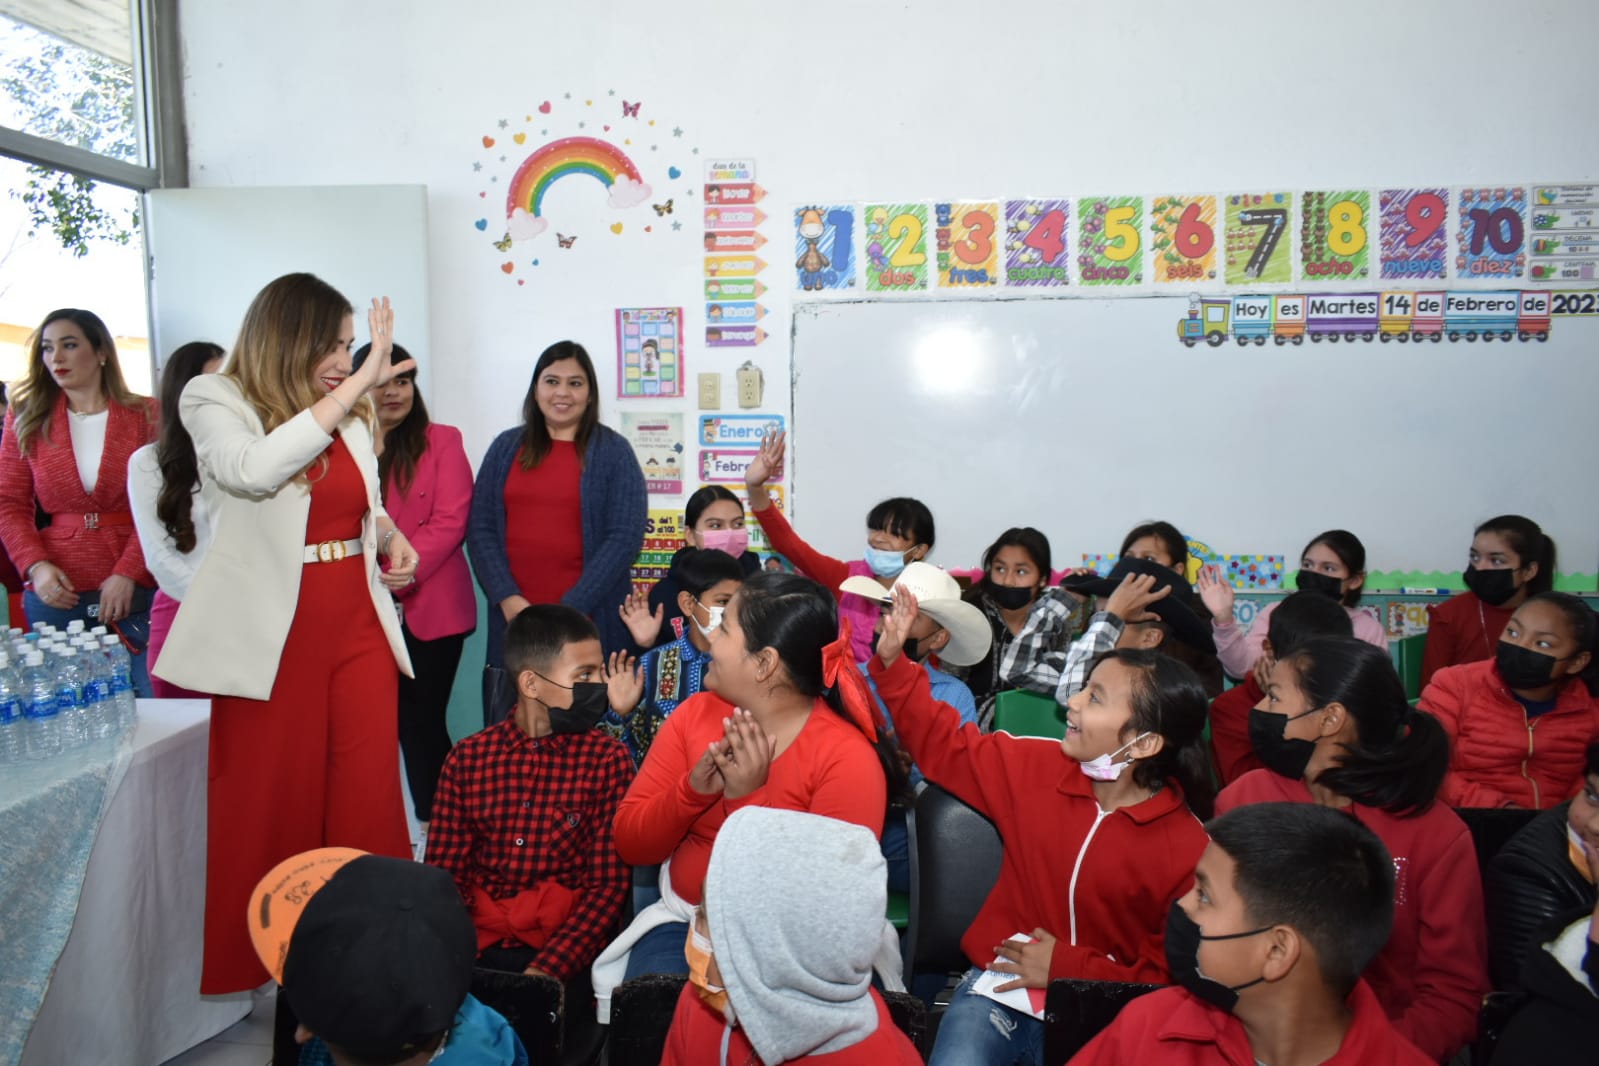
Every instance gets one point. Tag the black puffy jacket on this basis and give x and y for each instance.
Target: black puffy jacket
(1530, 882)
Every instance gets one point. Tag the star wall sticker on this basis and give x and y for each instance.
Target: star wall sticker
(676, 225)
(477, 166)
(677, 131)
(503, 123)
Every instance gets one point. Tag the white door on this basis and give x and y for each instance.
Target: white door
(212, 249)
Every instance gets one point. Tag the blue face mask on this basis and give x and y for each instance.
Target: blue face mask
(885, 563)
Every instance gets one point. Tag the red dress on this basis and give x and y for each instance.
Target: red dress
(544, 524)
(317, 764)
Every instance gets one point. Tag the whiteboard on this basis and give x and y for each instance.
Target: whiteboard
(1085, 417)
(212, 249)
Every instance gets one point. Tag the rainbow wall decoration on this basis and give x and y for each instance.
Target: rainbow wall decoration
(567, 157)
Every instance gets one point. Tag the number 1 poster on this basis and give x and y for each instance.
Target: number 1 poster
(1037, 246)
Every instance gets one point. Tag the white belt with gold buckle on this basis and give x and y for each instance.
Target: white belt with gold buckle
(331, 551)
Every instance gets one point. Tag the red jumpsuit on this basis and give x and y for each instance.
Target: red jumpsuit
(317, 764)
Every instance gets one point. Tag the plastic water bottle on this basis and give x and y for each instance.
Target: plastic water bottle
(39, 713)
(13, 747)
(75, 627)
(100, 703)
(121, 679)
(69, 699)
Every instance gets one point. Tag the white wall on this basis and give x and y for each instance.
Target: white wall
(849, 101)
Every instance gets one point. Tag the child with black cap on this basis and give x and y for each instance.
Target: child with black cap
(1290, 904)
(375, 957)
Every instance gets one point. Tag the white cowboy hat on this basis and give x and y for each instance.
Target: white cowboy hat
(939, 597)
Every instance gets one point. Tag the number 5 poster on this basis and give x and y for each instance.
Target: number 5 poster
(896, 247)
(1110, 240)
(1037, 247)
(968, 248)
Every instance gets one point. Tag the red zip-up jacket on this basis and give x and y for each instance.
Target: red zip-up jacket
(1175, 1028)
(1100, 882)
(1462, 629)
(1433, 972)
(1498, 756)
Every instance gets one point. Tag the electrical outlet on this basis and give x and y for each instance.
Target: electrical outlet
(751, 384)
(710, 392)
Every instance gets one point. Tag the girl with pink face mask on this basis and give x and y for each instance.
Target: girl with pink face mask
(713, 519)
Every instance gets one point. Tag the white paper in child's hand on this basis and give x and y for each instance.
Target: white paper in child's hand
(1026, 1000)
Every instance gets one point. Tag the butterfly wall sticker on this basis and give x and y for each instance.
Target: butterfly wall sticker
(565, 241)
(663, 209)
(630, 110)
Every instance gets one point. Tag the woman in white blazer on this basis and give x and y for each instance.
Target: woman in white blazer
(289, 621)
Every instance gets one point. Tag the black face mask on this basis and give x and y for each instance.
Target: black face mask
(590, 701)
(1282, 755)
(1493, 587)
(1183, 938)
(911, 648)
(1524, 668)
(1010, 597)
(1323, 584)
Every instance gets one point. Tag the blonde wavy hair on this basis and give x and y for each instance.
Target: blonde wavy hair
(34, 397)
(291, 325)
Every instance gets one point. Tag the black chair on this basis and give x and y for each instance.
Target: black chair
(642, 1009)
(641, 1016)
(954, 859)
(1076, 1011)
(531, 1005)
(1491, 829)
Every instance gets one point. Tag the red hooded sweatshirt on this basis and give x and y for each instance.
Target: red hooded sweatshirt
(1234, 755)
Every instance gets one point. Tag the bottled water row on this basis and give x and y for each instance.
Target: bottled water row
(61, 690)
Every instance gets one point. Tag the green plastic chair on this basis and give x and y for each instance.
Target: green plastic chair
(1027, 714)
(1407, 660)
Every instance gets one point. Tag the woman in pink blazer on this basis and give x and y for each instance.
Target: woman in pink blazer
(427, 490)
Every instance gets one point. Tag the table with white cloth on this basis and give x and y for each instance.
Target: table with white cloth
(126, 988)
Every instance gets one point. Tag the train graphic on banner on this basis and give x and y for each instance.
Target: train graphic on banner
(1289, 318)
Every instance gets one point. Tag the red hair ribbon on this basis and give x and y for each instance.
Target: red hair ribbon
(840, 671)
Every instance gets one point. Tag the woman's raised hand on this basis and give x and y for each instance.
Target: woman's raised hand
(377, 370)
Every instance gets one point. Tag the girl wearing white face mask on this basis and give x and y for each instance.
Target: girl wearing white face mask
(1100, 831)
(713, 518)
(641, 700)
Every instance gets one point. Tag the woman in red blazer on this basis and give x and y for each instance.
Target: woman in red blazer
(427, 490)
(70, 427)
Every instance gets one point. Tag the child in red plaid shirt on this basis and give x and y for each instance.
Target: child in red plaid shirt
(522, 818)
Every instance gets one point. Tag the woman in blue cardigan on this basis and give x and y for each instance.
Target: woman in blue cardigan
(558, 509)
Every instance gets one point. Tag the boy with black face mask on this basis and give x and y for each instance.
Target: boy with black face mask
(1290, 903)
(522, 818)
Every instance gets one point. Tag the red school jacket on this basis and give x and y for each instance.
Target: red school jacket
(49, 473)
(1462, 629)
(1498, 756)
(1100, 882)
(1433, 972)
(1175, 1028)
(1230, 747)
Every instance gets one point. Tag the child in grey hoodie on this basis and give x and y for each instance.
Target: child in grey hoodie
(782, 949)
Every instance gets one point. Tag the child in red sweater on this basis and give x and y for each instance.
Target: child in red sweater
(899, 532)
(1511, 559)
(1288, 907)
(1519, 725)
(1297, 618)
(1335, 730)
(785, 721)
(1099, 835)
